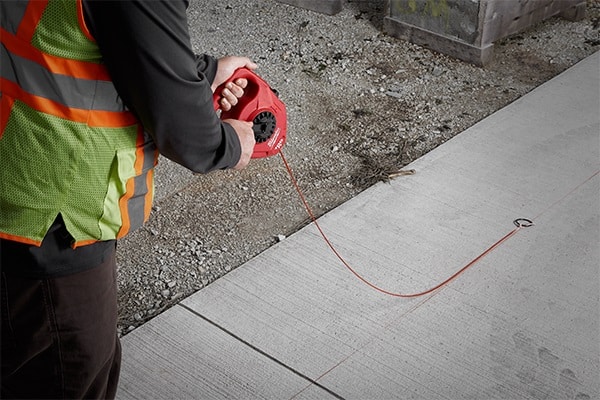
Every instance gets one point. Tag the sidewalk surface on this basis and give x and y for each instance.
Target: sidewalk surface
(522, 322)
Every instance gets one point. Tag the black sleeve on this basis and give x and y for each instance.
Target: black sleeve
(146, 48)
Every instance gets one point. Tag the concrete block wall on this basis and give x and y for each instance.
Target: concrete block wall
(467, 29)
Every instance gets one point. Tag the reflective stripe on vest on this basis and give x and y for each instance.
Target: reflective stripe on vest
(31, 77)
(67, 143)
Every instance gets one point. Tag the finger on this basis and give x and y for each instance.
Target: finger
(241, 82)
(235, 90)
(225, 105)
(250, 64)
(229, 96)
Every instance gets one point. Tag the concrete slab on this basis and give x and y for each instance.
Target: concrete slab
(180, 356)
(523, 322)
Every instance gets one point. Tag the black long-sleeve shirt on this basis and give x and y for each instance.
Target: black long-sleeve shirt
(146, 48)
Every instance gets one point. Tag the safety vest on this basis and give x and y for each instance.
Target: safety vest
(68, 145)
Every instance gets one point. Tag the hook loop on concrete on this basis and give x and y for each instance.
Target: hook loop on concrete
(523, 223)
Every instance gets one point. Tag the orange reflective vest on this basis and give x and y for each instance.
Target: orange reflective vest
(67, 143)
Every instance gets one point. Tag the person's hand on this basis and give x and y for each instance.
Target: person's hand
(231, 93)
(233, 90)
(247, 141)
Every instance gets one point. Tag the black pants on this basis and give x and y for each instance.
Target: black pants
(59, 335)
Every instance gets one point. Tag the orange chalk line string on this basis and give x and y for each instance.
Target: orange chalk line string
(520, 223)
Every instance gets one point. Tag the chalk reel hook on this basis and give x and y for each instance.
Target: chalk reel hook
(523, 223)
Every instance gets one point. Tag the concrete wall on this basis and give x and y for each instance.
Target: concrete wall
(467, 29)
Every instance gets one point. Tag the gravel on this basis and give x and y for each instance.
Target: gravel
(361, 105)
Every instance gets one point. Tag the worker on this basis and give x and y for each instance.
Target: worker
(91, 92)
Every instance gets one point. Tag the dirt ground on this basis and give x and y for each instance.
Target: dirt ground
(361, 105)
